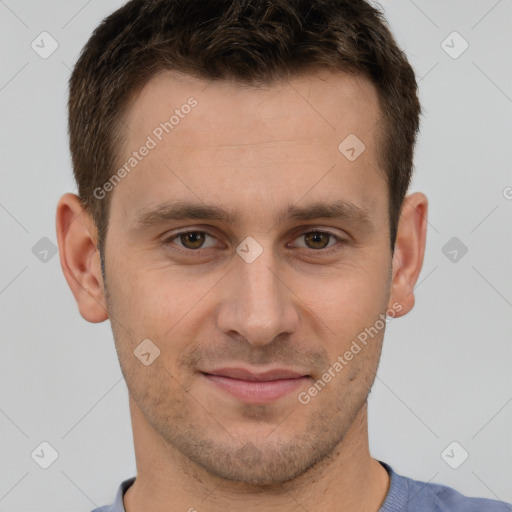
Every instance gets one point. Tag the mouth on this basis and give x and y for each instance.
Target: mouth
(256, 388)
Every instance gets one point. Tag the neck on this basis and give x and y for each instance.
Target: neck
(349, 480)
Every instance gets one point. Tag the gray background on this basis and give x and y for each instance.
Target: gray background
(445, 371)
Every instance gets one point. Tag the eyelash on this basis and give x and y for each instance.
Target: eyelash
(169, 241)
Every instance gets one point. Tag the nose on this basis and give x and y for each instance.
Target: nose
(258, 303)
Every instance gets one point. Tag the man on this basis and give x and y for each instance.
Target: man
(242, 220)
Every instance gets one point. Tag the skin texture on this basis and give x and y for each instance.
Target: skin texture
(296, 306)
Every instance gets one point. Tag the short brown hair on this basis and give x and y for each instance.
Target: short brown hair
(252, 41)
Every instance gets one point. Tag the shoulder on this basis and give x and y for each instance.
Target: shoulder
(118, 505)
(409, 495)
(447, 499)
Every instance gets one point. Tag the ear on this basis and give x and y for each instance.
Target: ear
(409, 251)
(79, 257)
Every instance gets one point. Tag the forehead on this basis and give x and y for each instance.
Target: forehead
(209, 137)
(328, 101)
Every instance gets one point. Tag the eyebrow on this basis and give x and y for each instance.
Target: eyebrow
(182, 210)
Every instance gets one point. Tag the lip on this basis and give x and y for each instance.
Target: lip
(269, 375)
(256, 388)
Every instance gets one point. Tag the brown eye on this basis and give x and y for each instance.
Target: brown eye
(192, 239)
(317, 239)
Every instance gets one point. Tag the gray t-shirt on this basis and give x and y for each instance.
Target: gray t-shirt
(404, 495)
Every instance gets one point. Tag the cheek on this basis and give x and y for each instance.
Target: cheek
(352, 306)
(163, 304)
(151, 294)
(356, 294)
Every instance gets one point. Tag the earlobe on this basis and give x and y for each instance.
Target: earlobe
(409, 251)
(79, 257)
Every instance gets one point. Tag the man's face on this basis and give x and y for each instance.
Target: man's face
(298, 305)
